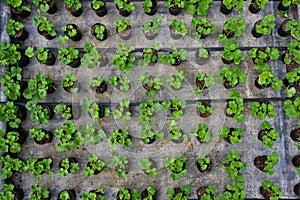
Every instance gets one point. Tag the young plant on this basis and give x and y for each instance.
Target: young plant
(175, 3)
(203, 27)
(149, 193)
(119, 163)
(271, 189)
(45, 25)
(270, 162)
(67, 55)
(13, 27)
(73, 4)
(120, 136)
(37, 192)
(234, 26)
(123, 57)
(148, 5)
(100, 31)
(198, 7)
(148, 135)
(125, 193)
(233, 135)
(203, 81)
(152, 26)
(10, 165)
(233, 164)
(263, 110)
(177, 166)
(9, 192)
(292, 108)
(69, 137)
(148, 109)
(231, 4)
(44, 5)
(235, 107)
(232, 53)
(71, 31)
(122, 110)
(122, 81)
(65, 110)
(94, 166)
(150, 83)
(265, 25)
(204, 109)
(259, 3)
(146, 165)
(175, 133)
(268, 135)
(174, 57)
(9, 113)
(123, 25)
(231, 77)
(39, 134)
(176, 107)
(204, 162)
(98, 194)
(43, 55)
(184, 190)
(125, 5)
(293, 26)
(68, 165)
(10, 142)
(149, 55)
(91, 57)
(11, 83)
(202, 133)
(95, 110)
(263, 54)
(39, 166)
(179, 27)
(69, 82)
(9, 53)
(292, 54)
(176, 80)
(41, 113)
(293, 81)
(267, 78)
(91, 134)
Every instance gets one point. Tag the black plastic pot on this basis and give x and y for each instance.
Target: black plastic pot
(260, 161)
(71, 160)
(297, 189)
(199, 60)
(100, 89)
(206, 170)
(69, 88)
(50, 61)
(76, 63)
(254, 33)
(78, 35)
(45, 140)
(281, 30)
(49, 110)
(174, 34)
(52, 7)
(74, 12)
(174, 10)
(282, 8)
(20, 35)
(296, 161)
(24, 61)
(253, 7)
(125, 35)
(95, 34)
(45, 34)
(224, 10)
(20, 14)
(260, 86)
(71, 192)
(144, 195)
(206, 114)
(225, 61)
(51, 88)
(295, 135)
(101, 11)
(153, 8)
(149, 35)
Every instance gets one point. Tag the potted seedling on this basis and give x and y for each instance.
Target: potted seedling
(11, 192)
(148, 109)
(256, 5)
(16, 30)
(204, 81)
(12, 84)
(179, 193)
(146, 165)
(231, 77)
(290, 27)
(10, 165)
(202, 133)
(48, 6)
(175, 56)
(202, 56)
(124, 57)
(262, 55)
(11, 141)
(285, 5)
(95, 110)
(74, 7)
(99, 31)
(291, 81)
(176, 80)
(234, 26)
(92, 134)
(266, 163)
(19, 8)
(69, 56)
(150, 83)
(175, 6)
(10, 55)
(39, 87)
(71, 31)
(148, 135)
(266, 79)
(119, 163)
(149, 193)
(99, 7)
(204, 109)
(37, 192)
(292, 54)
(40, 136)
(235, 107)
(98, 85)
(236, 191)
(45, 27)
(232, 135)
(176, 107)
(228, 6)
(263, 26)
(45, 56)
(125, 7)
(122, 110)
(203, 27)
(177, 29)
(150, 55)
(296, 163)
(39, 166)
(126, 193)
(198, 7)
(68, 165)
(13, 114)
(149, 6)
(68, 112)
(206, 192)
(233, 164)
(120, 136)
(269, 190)
(94, 166)
(204, 163)
(151, 28)
(91, 57)
(292, 108)
(263, 110)
(66, 195)
(123, 27)
(98, 194)
(70, 84)
(177, 166)
(69, 137)
(41, 112)
(121, 82)
(231, 53)
(176, 135)
(267, 134)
